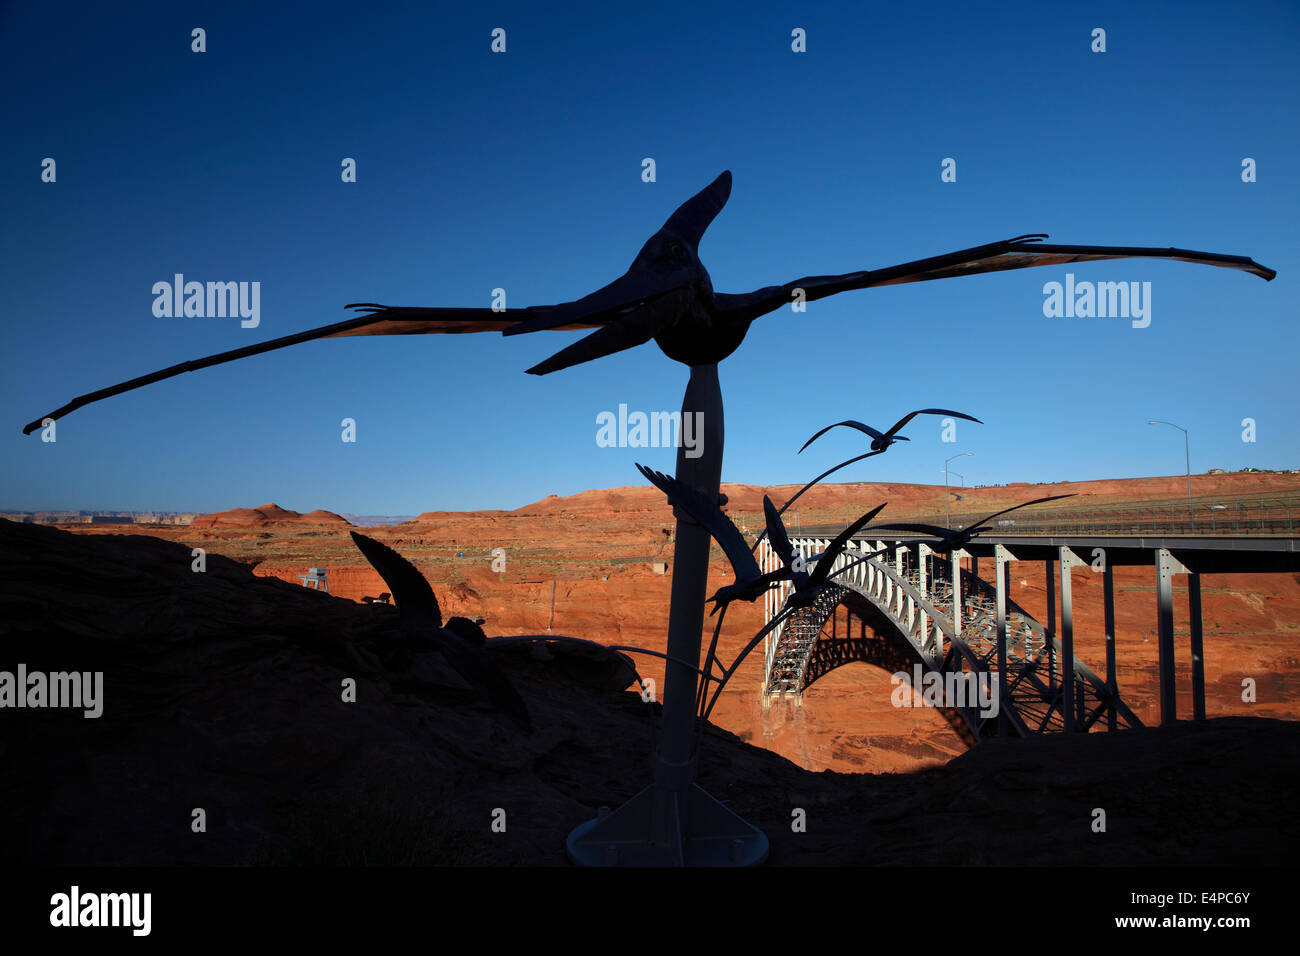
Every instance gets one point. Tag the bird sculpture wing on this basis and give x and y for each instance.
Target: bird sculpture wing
(915, 528)
(927, 411)
(709, 515)
(851, 424)
(780, 541)
(635, 307)
(998, 514)
(1019, 253)
(378, 320)
(415, 600)
(838, 544)
(611, 648)
(638, 325)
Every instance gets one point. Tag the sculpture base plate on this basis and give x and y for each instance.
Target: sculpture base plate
(714, 836)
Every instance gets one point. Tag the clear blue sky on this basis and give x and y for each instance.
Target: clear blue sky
(523, 171)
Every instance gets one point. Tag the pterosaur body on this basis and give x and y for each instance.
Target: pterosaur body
(460, 641)
(751, 583)
(808, 584)
(667, 295)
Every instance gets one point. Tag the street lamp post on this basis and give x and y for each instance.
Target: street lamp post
(947, 523)
(962, 498)
(1188, 456)
(1214, 523)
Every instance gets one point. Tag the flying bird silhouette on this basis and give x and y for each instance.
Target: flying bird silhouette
(460, 641)
(951, 540)
(751, 582)
(666, 295)
(880, 442)
(808, 585)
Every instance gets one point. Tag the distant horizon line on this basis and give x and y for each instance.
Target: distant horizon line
(395, 518)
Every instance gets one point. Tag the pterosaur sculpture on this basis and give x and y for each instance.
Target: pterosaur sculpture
(751, 583)
(882, 440)
(947, 539)
(880, 443)
(951, 540)
(666, 295)
(461, 642)
(809, 584)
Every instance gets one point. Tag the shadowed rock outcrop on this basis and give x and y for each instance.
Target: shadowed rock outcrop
(224, 692)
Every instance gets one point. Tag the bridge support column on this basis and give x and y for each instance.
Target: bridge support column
(1069, 704)
(1112, 717)
(922, 566)
(1049, 626)
(1166, 567)
(955, 558)
(1198, 649)
(1001, 557)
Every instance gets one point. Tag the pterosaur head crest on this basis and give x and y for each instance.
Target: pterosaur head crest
(666, 294)
(671, 256)
(694, 216)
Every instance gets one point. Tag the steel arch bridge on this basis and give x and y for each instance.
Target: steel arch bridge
(927, 611)
(913, 595)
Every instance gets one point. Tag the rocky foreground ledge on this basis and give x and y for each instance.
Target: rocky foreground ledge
(224, 692)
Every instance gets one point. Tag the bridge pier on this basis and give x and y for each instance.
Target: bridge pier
(922, 565)
(955, 560)
(1071, 712)
(1166, 567)
(1049, 625)
(1109, 598)
(1198, 649)
(1001, 558)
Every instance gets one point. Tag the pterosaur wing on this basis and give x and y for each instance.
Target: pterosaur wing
(711, 517)
(838, 545)
(378, 320)
(415, 600)
(866, 429)
(1019, 253)
(1036, 501)
(898, 426)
